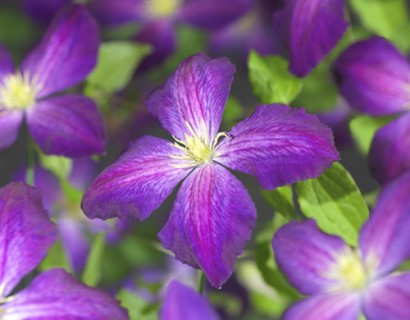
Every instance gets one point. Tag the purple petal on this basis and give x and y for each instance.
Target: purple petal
(279, 145)
(385, 238)
(137, 183)
(195, 94)
(182, 302)
(6, 62)
(212, 14)
(69, 125)
(208, 227)
(26, 233)
(10, 122)
(389, 298)
(389, 156)
(43, 10)
(117, 12)
(56, 295)
(305, 254)
(374, 77)
(67, 53)
(82, 172)
(326, 307)
(309, 30)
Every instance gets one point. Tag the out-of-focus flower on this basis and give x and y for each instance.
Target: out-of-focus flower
(208, 227)
(342, 281)
(26, 234)
(43, 11)
(309, 30)
(66, 124)
(374, 77)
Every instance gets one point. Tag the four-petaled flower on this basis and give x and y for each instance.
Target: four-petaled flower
(213, 214)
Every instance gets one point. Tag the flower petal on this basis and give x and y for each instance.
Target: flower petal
(137, 183)
(182, 302)
(389, 156)
(208, 227)
(196, 94)
(67, 53)
(117, 12)
(43, 10)
(279, 145)
(309, 29)
(10, 122)
(389, 298)
(56, 295)
(374, 77)
(326, 307)
(385, 238)
(305, 254)
(6, 62)
(26, 233)
(69, 125)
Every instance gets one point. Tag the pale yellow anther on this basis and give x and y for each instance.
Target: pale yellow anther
(161, 8)
(19, 91)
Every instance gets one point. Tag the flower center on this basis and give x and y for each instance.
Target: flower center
(162, 8)
(19, 91)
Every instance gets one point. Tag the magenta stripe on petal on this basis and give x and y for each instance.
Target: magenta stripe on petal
(386, 237)
(67, 53)
(326, 307)
(305, 254)
(309, 30)
(279, 145)
(137, 183)
(389, 154)
(68, 125)
(10, 122)
(374, 77)
(26, 233)
(56, 295)
(389, 298)
(212, 219)
(193, 96)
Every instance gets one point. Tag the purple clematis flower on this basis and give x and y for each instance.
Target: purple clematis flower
(343, 282)
(374, 77)
(67, 124)
(208, 227)
(182, 303)
(309, 30)
(26, 234)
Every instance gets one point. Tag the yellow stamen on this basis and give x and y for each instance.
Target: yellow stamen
(162, 8)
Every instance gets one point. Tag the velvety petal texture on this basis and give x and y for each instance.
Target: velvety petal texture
(193, 96)
(389, 298)
(183, 303)
(208, 227)
(385, 237)
(389, 156)
(279, 145)
(10, 122)
(26, 233)
(137, 183)
(305, 254)
(374, 77)
(326, 307)
(56, 295)
(68, 125)
(309, 30)
(67, 53)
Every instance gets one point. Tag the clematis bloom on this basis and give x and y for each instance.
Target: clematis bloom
(65, 124)
(342, 282)
(26, 234)
(213, 214)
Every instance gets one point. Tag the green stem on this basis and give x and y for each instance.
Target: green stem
(201, 281)
(31, 159)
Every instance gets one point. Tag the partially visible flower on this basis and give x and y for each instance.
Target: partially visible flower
(42, 11)
(66, 124)
(208, 227)
(374, 77)
(309, 30)
(342, 282)
(184, 303)
(26, 234)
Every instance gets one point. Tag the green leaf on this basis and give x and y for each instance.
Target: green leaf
(117, 61)
(335, 202)
(363, 129)
(92, 271)
(56, 258)
(137, 307)
(59, 166)
(271, 80)
(281, 200)
(233, 112)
